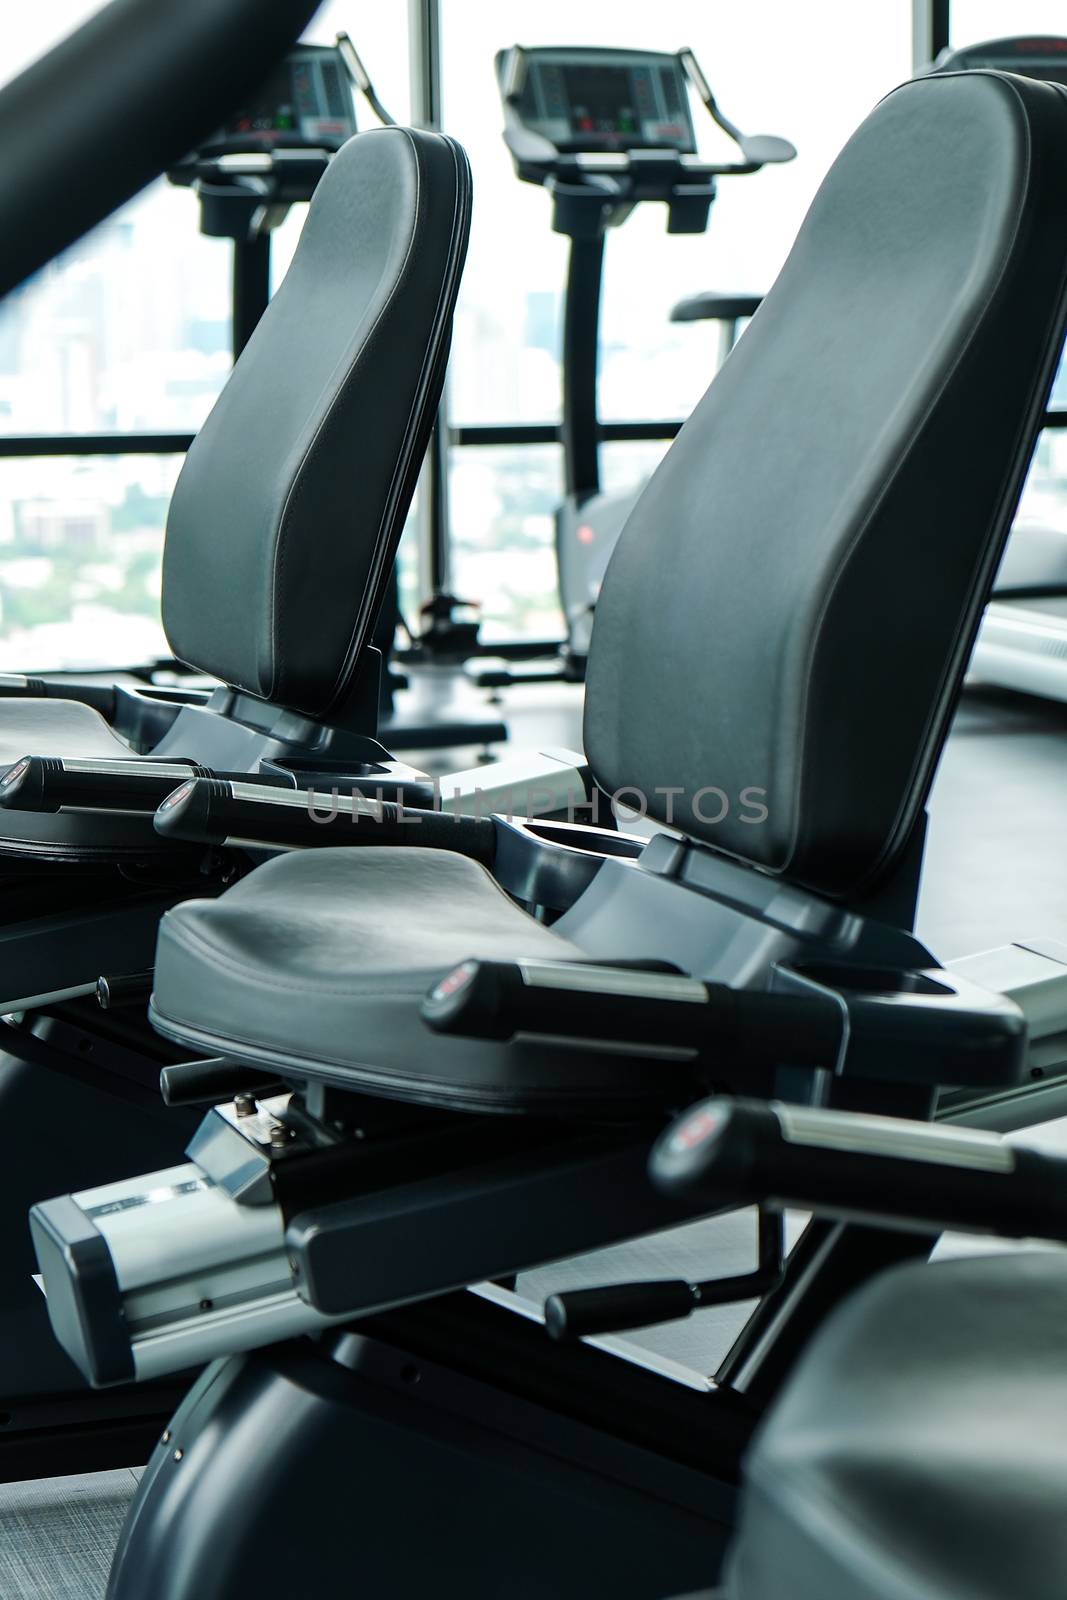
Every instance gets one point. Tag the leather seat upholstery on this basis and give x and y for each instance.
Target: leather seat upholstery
(324, 958)
(285, 521)
(919, 1448)
(824, 531)
(792, 603)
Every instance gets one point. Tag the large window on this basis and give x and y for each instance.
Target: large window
(80, 555)
(130, 330)
(502, 506)
(809, 72)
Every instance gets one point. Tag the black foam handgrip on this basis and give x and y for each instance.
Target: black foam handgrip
(46, 783)
(927, 1177)
(13, 686)
(123, 989)
(497, 999)
(215, 811)
(580, 1312)
(720, 1148)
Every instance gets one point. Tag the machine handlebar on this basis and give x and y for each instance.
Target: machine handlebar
(231, 811)
(904, 1027)
(650, 1007)
(916, 1176)
(137, 784)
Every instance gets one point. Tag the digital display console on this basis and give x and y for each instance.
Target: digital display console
(307, 100)
(1042, 58)
(595, 100)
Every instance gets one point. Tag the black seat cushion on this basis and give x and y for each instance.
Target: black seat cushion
(318, 961)
(285, 520)
(793, 601)
(920, 1447)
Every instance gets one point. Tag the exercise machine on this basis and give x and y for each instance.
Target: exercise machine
(396, 1148)
(603, 131)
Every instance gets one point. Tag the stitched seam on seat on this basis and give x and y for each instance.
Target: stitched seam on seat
(414, 1088)
(342, 389)
(279, 1054)
(875, 507)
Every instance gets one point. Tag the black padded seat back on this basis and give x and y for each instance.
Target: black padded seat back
(285, 520)
(918, 1447)
(793, 601)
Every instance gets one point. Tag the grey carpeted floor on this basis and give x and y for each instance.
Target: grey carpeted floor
(58, 1535)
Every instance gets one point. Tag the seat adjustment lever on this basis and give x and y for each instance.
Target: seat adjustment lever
(123, 989)
(213, 1080)
(579, 1313)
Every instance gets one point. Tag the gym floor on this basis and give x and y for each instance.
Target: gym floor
(996, 870)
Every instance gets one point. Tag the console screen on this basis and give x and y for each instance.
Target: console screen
(600, 100)
(1046, 71)
(595, 100)
(306, 100)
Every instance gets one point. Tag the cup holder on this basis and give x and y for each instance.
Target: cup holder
(915, 1025)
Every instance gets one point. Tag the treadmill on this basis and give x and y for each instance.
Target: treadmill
(1022, 643)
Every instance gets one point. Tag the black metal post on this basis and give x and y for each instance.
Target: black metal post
(940, 28)
(251, 287)
(424, 29)
(581, 342)
(930, 31)
(829, 1262)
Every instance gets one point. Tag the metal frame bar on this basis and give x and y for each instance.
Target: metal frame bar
(531, 433)
(581, 360)
(930, 31)
(482, 435)
(19, 445)
(424, 48)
